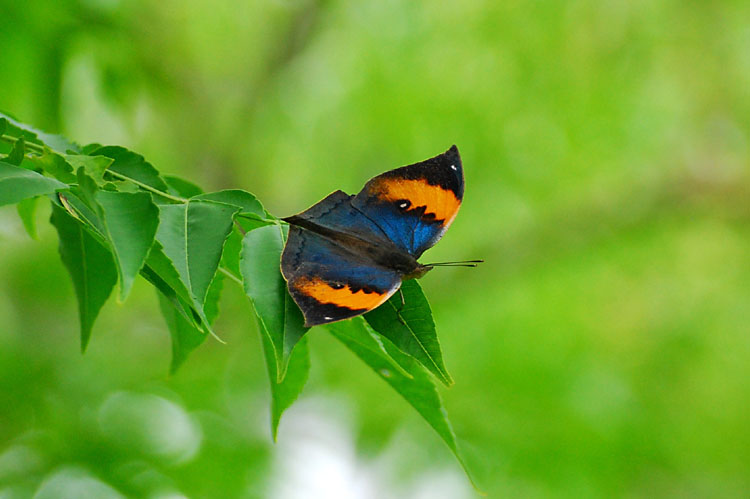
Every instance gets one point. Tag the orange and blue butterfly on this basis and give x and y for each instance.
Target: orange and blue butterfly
(348, 254)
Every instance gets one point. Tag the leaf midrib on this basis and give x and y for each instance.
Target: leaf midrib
(381, 352)
(187, 258)
(443, 374)
(116, 253)
(84, 269)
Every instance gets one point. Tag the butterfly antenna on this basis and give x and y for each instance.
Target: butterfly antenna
(462, 263)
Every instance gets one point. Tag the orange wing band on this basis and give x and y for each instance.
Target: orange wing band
(344, 297)
(438, 201)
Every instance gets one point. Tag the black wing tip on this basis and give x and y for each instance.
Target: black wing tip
(444, 170)
(452, 155)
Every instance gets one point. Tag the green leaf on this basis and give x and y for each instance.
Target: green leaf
(230, 259)
(16, 154)
(252, 221)
(87, 190)
(73, 203)
(130, 221)
(161, 266)
(192, 236)
(27, 211)
(15, 128)
(54, 164)
(237, 197)
(410, 327)
(17, 184)
(181, 187)
(417, 389)
(183, 306)
(183, 320)
(185, 333)
(211, 307)
(89, 148)
(94, 166)
(252, 214)
(186, 337)
(277, 313)
(357, 331)
(285, 392)
(90, 266)
(128, 165)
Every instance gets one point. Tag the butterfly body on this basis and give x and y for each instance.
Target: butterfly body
(347, 254)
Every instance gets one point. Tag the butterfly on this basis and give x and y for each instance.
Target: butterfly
(347, 254)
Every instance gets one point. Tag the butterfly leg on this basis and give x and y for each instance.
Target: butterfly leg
(399, 309)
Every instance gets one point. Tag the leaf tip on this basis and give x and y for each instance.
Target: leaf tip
(84, 341)
(174, 366)
(86, 328)
(281, 368)
(446, 379)
(126, 285)
(207, 329)
(216, 336)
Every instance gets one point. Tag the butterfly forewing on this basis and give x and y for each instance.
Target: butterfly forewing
(415, 204)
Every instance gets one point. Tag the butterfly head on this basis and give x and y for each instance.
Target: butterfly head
(418, 272)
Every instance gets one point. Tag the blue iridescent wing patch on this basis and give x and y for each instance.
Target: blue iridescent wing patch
(414, 205)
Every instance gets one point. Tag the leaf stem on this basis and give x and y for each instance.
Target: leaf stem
(274, 221)
(28, 145)
(147, 187)
(239, 227)
(231, 276)
(41, 149)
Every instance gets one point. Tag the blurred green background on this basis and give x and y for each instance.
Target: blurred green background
(603, 349)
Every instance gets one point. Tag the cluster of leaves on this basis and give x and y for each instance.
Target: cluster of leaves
(117, 217)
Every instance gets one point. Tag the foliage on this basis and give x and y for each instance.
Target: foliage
(601, 351)
(117, 217)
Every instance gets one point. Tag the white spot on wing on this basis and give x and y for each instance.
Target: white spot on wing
(403, 205)
(327, 318)
(453, 167)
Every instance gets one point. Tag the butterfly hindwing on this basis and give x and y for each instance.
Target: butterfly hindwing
(330, 283)
(415, 204)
